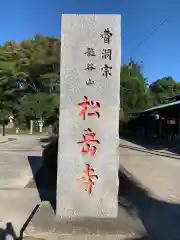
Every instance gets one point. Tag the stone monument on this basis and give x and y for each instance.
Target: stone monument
(88, 164)
(88, 161)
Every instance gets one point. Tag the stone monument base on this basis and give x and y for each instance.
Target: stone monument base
(45, 225)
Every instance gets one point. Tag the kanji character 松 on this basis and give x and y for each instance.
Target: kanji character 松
(90, 104)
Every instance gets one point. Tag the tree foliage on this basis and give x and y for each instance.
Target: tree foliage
(29, 79)
(30, 83)
(135, 93)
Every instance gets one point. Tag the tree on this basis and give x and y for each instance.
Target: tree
(30, 83)
(133, 90)
(162, 89)
(9, 89)
(40, 63)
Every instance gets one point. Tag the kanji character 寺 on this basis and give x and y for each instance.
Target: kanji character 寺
(88, 178)
(88, 140)
(85, 105)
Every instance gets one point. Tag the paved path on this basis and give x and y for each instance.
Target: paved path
(157, 197)
(157, 170)
(15, 159)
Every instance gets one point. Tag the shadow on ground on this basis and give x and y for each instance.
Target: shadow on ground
(8, 233)
(161, 219)
(45, 178)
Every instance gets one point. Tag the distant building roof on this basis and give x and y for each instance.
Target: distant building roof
(161, 106)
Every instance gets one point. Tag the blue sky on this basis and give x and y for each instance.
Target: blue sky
(160, 52)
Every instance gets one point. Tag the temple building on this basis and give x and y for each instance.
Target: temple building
(161, 121)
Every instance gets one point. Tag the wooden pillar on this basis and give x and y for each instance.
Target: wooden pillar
(145, 127)
(160, 126)
(178, 122)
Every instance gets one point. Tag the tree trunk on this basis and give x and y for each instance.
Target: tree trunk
(31, 126)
